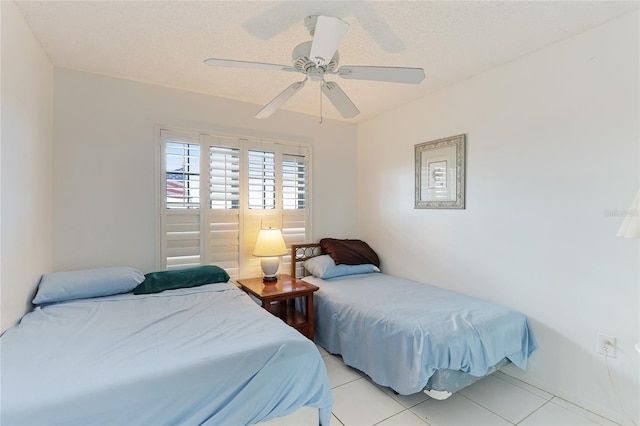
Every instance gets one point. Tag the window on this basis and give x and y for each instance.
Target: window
(217, 192)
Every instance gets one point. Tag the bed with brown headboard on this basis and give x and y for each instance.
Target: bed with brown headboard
(406, 335)
(300, 253)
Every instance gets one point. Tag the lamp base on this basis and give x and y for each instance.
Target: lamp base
(269, 269)
(270, 280)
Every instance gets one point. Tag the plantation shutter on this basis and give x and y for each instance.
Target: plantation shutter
(224, 206)
(218, 191)
(180, 217)
(294, 201)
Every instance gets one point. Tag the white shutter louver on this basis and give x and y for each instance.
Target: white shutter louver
(183, 239)
(262, 180)
(224, 241)
(294, 182)
(224, 177)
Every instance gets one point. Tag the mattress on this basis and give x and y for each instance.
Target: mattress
(205, 355)
(400, 332)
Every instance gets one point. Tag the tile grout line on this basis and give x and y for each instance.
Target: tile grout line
(523, 387)
(382, 392)
(417, 403)
(337, 418)
(534, 411)
(489, 410)
(387, 418)
(381, 388)
(346, 383)
(581, 408)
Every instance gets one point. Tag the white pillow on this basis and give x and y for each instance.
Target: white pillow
(86, 283)
(324, 267)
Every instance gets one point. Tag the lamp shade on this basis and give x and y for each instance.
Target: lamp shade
(630, 227)
(270, 243)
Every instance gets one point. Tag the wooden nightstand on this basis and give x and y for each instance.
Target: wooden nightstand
(283, 293)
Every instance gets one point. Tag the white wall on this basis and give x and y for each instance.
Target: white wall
(26, 167)
(104, 164)
(552, 146)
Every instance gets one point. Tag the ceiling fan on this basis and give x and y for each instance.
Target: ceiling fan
(319, 57)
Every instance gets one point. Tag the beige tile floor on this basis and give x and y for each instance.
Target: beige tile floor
(496, 400)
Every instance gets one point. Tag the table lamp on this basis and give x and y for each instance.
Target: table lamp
(270, 246)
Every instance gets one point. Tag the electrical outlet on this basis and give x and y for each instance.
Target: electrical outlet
(607, 345)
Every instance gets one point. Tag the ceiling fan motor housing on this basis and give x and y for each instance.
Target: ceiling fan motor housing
(302, 62)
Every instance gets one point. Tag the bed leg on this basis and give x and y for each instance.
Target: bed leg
(436, 394)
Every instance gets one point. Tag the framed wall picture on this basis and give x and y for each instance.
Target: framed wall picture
(440, 173)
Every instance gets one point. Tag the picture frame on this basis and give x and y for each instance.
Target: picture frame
(440, 173)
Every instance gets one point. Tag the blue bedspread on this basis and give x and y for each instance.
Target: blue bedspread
(400, 332)
(206, 355)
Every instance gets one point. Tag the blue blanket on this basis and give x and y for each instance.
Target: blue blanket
(206, 355)
(400, 332)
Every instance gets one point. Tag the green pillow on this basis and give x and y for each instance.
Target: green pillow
(155, 282)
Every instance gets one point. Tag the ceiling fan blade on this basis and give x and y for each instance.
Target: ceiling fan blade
(339, 99)
(246, 64)
(391, 74)
(327, 36)
(279, 100)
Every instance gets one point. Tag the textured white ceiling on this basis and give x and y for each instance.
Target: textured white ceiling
(165, 43)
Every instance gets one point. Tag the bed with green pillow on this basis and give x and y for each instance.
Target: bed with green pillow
(115, 347)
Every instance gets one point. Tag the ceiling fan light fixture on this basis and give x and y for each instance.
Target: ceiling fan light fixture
(315, 74)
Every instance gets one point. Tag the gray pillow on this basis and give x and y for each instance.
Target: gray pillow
(86, 283)
(324, 267)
